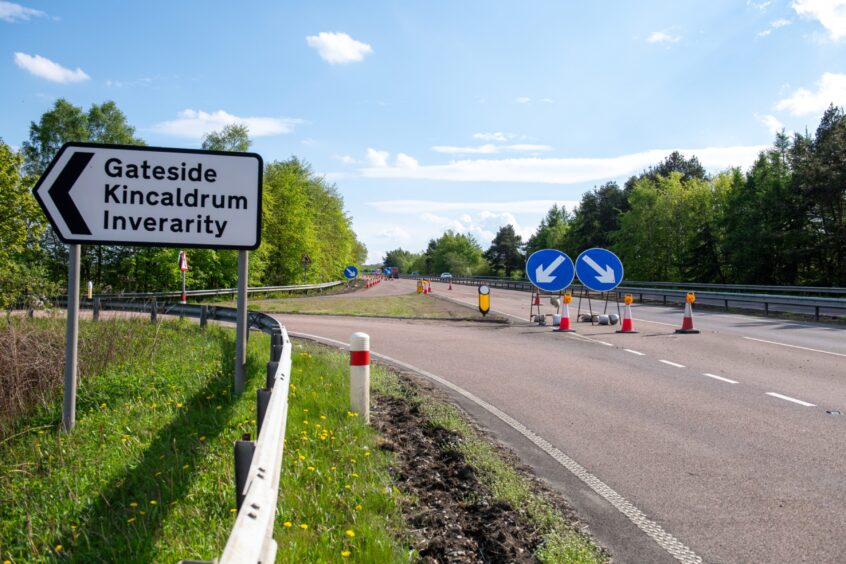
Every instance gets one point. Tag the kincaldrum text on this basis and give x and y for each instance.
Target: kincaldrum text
(121, 194)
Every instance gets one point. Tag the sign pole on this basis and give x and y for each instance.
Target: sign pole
(241, 322)
(71, 339)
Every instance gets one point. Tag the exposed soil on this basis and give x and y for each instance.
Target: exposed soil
(453, 518)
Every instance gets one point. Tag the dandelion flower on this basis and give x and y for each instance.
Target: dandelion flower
(311, 468)
(287, 524)
(358, 508)
(354, 475)
(303, 526)
(350, 533)
(233, 510)
(301, 457)
(153, 502)
(178, 405)
(133, 504)
(323, 417)
(367, 453)
(131, 520)
(345, 553)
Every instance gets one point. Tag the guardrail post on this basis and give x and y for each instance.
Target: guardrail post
(204, 316)
(154, 311)
(244, 450)
(816, 313)
(272, 367)
(766, 309)
(360, 375)
(727, 305)
(95, 310)
(262, 401)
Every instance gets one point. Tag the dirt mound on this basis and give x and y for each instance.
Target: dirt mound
(454, 518)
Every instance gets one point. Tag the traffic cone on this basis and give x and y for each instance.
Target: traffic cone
(537, 299)
(450, 285)
(627, 320)
(430, 287)
(564, 326)
(687, 322)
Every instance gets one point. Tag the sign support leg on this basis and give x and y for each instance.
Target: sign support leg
(71, 336)
(241, 322)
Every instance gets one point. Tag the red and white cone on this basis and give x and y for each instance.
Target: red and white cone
(627, 320)
(450, 285)
(537, 299)
(564, 326)
(687, 322)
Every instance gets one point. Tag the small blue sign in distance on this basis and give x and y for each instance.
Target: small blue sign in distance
(386, 271)
(599, 270)
(350, 272)
(550, 270)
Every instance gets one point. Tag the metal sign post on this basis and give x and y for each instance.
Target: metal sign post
(241, 323)
(549, 270)
(149, 196)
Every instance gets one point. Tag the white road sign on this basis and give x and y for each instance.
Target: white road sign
(122, 195)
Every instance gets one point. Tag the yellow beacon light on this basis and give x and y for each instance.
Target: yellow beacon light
(419, 285)
(691, 297)
(568, 297)
(484, 299)
(628, 299)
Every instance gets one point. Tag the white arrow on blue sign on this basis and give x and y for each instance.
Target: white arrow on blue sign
(599, 270)
(550, 270)
(350, 272)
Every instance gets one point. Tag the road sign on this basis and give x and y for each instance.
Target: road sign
(484, 299)
(350, 272)
(386, 271)
(599, 270)
(183, 261)
(550, 270)
(122, 195)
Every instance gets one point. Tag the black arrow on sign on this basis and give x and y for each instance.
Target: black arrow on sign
(60, 193)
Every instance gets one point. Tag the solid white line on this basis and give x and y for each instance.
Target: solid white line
(715, 377)
(604, 343)
(639, 319)
(664, 539)
(672, 363)
(795, 346)
(638, 353)
(788, 398)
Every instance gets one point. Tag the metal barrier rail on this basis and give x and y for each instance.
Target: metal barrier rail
(222, 291)
(664, 294)
(258, 464)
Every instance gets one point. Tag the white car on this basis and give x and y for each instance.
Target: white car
(445, 275)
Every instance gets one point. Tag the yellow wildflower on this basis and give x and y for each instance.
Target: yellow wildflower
(303, 526)
(59, 548)
(358, 508)
(311, 468)
(287, 524)
(131, 520)
(133, 504)
(153, 502)
(345, 553)
(350, 533)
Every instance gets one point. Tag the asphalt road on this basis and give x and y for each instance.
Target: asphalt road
(717, 446)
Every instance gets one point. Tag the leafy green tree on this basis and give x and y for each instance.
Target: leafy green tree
(552, 231)
(596, 218)
(457, 253)
(402, 259)
(234, 137)
(504, 253)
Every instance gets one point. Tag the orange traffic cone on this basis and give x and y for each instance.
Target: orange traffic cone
(430, 287)
(564, 326)
(687, 322)
(450, 285)
(537, 299)
(627, 320)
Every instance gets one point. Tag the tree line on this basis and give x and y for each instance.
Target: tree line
(782, 222)
(302, 214)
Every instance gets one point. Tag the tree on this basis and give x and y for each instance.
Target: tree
(551, 232)
(233, 137)
(454, 252)
(504, 252)
(402, 259)
(596, 218)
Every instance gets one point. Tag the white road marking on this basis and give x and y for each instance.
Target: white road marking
(638, 353)
(788, 398)
(604, 343)
(794, 346)
(715, 377)
(656, 322)
(664, 539)
(672, 363)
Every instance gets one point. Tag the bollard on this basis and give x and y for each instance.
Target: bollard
(262, 401)
(204, 316)
(244, 450)
(154, 312)
(360, 375)
(95, 311)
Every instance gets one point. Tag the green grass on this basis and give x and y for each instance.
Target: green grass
(409, 306)
(561, 543)
(147, 473)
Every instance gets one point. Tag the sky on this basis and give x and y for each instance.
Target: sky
(439, 115)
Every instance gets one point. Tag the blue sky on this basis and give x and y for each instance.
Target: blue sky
(433, 115)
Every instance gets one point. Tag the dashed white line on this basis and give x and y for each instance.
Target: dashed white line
(664, 539)
(722, 379)
(638, 353)
(794, 346)
(604, 343)
(677, 365)
(639, 319)
(788, 398)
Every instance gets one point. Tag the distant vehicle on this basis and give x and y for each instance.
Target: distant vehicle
(394, 272)
(446, 275)
(415, 273)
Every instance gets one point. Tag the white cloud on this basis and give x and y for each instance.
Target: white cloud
(10, 12)
(759, 5)
(406, 161)
(195, 124)
(346, 159)
(765, 33)
(771, 122)
(495, 136)
(562, 170)
(47, 69)
(407, 207)
(831, 89)
(338, 48)
(779, 23)
(377, 158)
(522, 99)
(546, 100)
(662, 37)
(830, 13)
(490, 149)
(395, 233)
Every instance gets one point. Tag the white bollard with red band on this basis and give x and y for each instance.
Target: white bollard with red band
(360, 375)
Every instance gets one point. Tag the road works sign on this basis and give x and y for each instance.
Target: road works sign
(350, 272)
(122, 195)
(550, 270)
(599, 270)
(183, 261)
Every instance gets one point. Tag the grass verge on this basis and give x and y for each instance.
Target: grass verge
(408, 306)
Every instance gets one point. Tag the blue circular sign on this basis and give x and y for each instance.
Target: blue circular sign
(599, 270)
(350, 272)
(550, 270)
